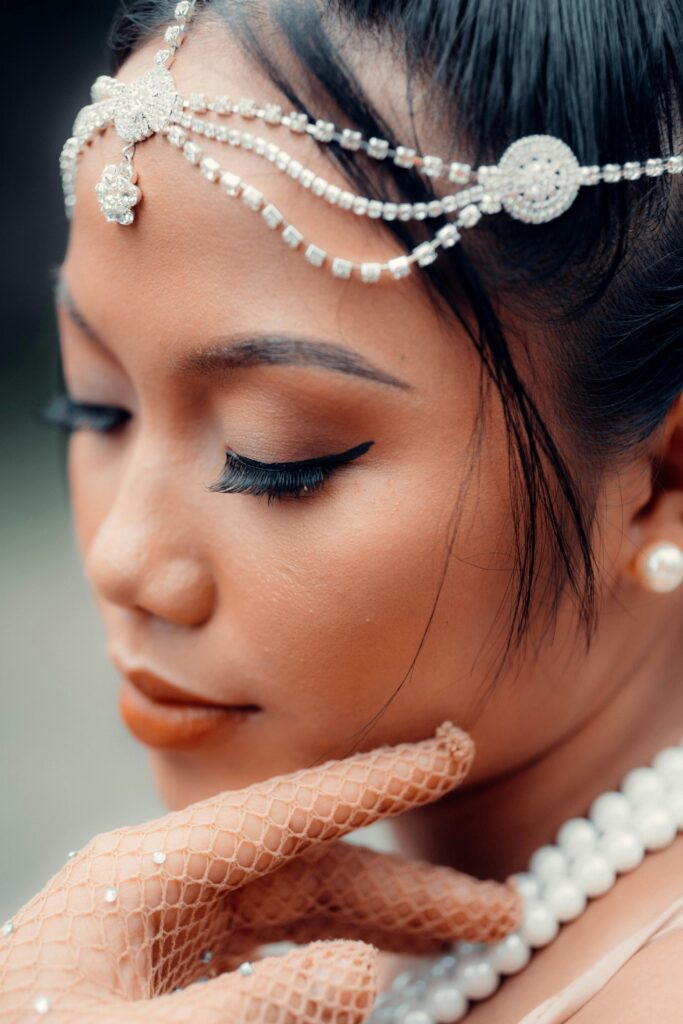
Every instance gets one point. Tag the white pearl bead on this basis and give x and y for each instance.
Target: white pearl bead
(593, 873)
(510, 954)
(674, 801)
(565, 898)
(642, 785)
(529, 886)
(610, 810)
(415, 1016)
(623, 848)
(539, 925)
(578, 835)
(446, 1003)
(548, 863)
(669, 765)
(475, 976)
(655, 825)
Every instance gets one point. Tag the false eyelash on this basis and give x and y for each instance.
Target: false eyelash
(63, 412)
(281, 480)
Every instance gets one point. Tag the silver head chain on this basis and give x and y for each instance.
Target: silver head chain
(536, 179)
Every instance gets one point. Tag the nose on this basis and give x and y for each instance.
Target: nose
(144, 552)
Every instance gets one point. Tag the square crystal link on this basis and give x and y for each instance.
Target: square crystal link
(425, 253)
(375, 208)
(174, 34)
(654, 167)
(589, 175)
(360, 205)
(434, 208)
(161, 56)
(459, 173)
(390, 211)
(252, 197)
(259, 145)
(346, 200)
(419, 211)
(271, 215)
(378, 148)
(271, 151)
(470, 215)
(611, 172)
(210, 130)
(283, 161)
(292, 237)
(272, 113)
(306, 177)
(399, 266)
(222, 132)
(197, 125)
(323, 130)
(405, 211)
(192, 152)
(246, 107)
(490, 203)
(405, 157)
(674, 164)
(177, 136)
(332, 193)
(222, 105)
(341, 268)
(294, 169)
(298, 122)
(351, 139)
(433, 166)
(448, 235)
(633, 170)
(315, 255)
(370, 271)
(318, 185)
(210, 168)
(246, 140)
(198, 102)
(184, 9)
(186, 120)
(231, 183)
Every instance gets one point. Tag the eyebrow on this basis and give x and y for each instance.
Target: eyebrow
(249, 350)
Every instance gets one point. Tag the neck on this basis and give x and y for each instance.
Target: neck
(491, 829)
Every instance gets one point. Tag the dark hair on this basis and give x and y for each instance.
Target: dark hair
(603, 283)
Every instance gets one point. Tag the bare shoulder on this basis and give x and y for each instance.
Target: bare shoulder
(649, 987)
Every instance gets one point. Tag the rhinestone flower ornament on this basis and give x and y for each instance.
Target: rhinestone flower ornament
(535, 180)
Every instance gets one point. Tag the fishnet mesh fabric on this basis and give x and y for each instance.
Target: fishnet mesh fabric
(117, 936)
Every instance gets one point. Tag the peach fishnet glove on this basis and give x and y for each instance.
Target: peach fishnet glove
(125, 930)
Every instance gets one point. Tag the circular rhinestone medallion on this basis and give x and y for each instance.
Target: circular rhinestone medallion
(144, 106)
(540, 178)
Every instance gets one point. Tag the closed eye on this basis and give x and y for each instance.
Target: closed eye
(281, 480)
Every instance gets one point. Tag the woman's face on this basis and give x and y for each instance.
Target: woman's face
(314, 608)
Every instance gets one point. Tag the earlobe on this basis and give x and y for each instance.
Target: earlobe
(658, 564)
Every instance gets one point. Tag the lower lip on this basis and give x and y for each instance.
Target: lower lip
(172, 726)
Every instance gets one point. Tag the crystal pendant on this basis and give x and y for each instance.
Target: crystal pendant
(117, 193)
(541, 178)
(144, 106)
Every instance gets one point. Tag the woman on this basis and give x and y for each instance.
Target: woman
(339, 614)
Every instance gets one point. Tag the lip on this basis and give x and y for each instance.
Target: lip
(174, 725)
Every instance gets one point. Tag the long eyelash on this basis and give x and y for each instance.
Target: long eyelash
(281, 480)
(63, 412)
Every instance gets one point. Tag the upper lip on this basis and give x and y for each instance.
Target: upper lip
(160, 689)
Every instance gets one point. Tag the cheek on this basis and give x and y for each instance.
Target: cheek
(334, 610)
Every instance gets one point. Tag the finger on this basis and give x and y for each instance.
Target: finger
(324, 983)
(229, 839)
(379, 893)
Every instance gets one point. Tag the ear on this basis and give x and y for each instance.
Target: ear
(659, 518)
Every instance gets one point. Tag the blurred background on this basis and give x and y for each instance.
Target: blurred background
(69, 767)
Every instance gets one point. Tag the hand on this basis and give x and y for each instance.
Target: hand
(129, 929)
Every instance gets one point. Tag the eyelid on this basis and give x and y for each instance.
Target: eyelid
(321, 460)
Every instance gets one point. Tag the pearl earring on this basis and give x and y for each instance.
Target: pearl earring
(660, 566)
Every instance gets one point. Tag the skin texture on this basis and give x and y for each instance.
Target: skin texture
(314, 609)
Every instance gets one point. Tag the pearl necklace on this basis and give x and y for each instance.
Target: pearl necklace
(588, 853)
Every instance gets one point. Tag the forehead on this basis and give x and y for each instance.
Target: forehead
(195, 252)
